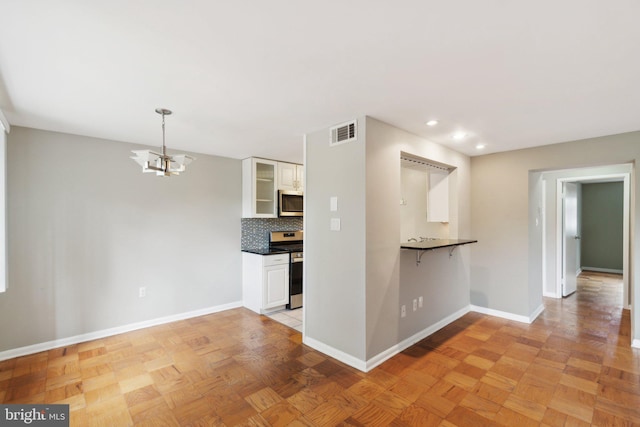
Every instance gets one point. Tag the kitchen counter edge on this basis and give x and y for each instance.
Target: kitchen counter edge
(265, 251)
(435, 244)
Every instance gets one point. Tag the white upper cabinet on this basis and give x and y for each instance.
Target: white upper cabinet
(438, 197)
(290, 176)
(259, 188)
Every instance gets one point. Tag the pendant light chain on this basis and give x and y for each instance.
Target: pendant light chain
(164, 147)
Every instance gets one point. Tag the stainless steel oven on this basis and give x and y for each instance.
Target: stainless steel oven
(291, 241)
(295, 281)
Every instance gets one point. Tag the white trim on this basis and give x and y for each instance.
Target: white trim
(559, 237)
(366, 366)
(551, 295)
(626, 240)
(388, 353)
(335, 353)
(603, 270)
(4, 123)
(544, 236)
(36, 348)
(537, 312)
(4, 263)
(419, 336)
(635, 343)
(509, 316)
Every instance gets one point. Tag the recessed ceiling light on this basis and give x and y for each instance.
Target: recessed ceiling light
(432, 123)
(480, 146)
(459, 136)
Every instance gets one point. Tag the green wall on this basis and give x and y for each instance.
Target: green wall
(601, 244)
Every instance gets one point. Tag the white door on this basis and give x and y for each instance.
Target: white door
(570, 238)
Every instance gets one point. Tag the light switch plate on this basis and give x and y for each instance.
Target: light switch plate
(335, 224)
(333, 204)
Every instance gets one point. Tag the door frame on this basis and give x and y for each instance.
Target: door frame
(625, 178)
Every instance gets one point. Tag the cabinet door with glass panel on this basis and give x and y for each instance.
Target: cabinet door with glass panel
(259, 186)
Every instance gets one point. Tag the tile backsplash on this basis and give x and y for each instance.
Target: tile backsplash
(255, 231)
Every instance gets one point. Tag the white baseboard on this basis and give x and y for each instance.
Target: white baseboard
(509, 316)
(551, 295)
(366, 366)
(537, 312)
(404, 344)
(45, 346)
(635, 343)
(343, 357)
(602, 270)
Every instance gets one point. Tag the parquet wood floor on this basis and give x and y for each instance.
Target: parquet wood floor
(572, 367)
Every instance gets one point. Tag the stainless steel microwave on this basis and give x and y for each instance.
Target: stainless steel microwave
(290, 203)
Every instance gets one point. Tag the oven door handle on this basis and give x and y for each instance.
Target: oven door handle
(296, 259)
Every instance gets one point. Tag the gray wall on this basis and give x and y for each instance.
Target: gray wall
(86, 228)
(501, 216)
(353, 288)
(335, 260)
(445, 287)
(601, 243)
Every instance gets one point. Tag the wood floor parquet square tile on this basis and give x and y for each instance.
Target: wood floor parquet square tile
(99, 395)
(525, 406)
(326, 414)
(372, 415)
(534, 389)
(407, 389)
(481, 406)
(306, 400)
(464, 417)
(509, 418)
(490, 393)
(281, 414)
(366, 389)
(391, 402)
(55, 395)
(235, 412)
(415, 415)
(573, 366)
(435, 403)
(348, 401)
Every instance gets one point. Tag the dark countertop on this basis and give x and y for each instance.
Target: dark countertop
(265, 251)
(435, 244)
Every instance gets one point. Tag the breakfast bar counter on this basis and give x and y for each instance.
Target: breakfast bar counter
(433, 244)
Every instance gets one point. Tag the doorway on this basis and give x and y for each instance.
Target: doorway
(568, 236)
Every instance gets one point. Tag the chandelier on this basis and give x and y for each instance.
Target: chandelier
(161, 163)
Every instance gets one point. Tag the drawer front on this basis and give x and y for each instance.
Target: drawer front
(279, 259)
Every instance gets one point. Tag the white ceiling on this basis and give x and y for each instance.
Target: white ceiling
(250, 77)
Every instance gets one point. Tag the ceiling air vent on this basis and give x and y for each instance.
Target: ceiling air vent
(345, 132)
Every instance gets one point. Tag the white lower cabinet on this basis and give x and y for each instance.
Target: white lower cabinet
(265, 281)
